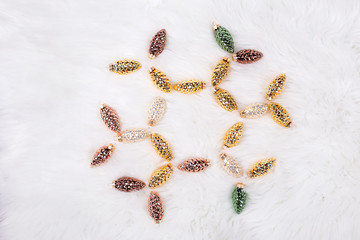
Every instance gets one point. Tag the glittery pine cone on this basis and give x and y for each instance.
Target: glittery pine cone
(247, 56)
(280, 115)
(275, 87)
(161, 175)
(160, 80)
(220, 72)
(161, 146)
(156, 208)
(102, 155)
(124, 66)
(225, 100)
(255, 110)
(233, 135)
(128, 184)
(189, 86)
(261, 167)
(224, 38)
(156, 111)
(157, 43)
(239, 198)
(194, 165)
(110, 118)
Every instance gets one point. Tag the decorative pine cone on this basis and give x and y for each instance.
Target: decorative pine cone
(156, 209)
(194, 165)
(110, 118)
(233, 135)
(239, 198)
(225, 99)
(280, 115)
(224, 38)
(189, 86)
(262, 167)
(161, 176)
(275, 87)
(102, 155)
(128, 184)
(247, 56)
(124, 66)
(157, 44)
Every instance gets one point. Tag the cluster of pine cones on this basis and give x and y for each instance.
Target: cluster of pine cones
(158, 107)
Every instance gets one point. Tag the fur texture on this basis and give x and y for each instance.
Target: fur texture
(54, 76)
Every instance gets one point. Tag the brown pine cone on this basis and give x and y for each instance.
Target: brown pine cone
(194, 165)
(157, 43)
(110, 118)
(156, 209)
(128, 184)
(247, 56)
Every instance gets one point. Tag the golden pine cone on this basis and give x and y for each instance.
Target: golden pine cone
(233, 135)
(125, 66)
(160, 80)
(261, 167)
(225, 100)
(161, 175)
(220, 72)
(280, 115)
(275, 87)
(189, 86)
(161, 146)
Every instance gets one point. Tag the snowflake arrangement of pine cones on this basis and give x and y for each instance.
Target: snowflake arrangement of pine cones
(157, 110)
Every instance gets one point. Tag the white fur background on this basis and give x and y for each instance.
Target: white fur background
(53, 71)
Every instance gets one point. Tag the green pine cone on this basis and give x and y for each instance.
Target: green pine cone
(224, 38)
(239, 197)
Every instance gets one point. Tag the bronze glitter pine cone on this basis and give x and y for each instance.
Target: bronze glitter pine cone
(128, 184)
(110, 118)
(156, 208)
(194, 165)
(157, 44)
(247, 56)
(102, 155)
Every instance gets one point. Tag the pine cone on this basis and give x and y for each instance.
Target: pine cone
(132, 135)
(156, 111)
(128, 184)
(160, 80)
(157, 44)
(280, 115)
(255, 110)
(156, 209)
(230, 165)
(220, 72)
(161, 146)
(189, 86)
(224, 38)
(239, 198)
(247, 56)
(275, 87)
(161, 176)
(102, 155)
(110, 118)
(262, 167)
(125, 66)
(194, 165)
(233, 135)
(225, 100)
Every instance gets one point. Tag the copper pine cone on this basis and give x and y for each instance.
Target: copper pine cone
(110, 118)
(247, 56)
(156, 209)
(128, 184)
(157, 43)
(194, 165)
(102, 155)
